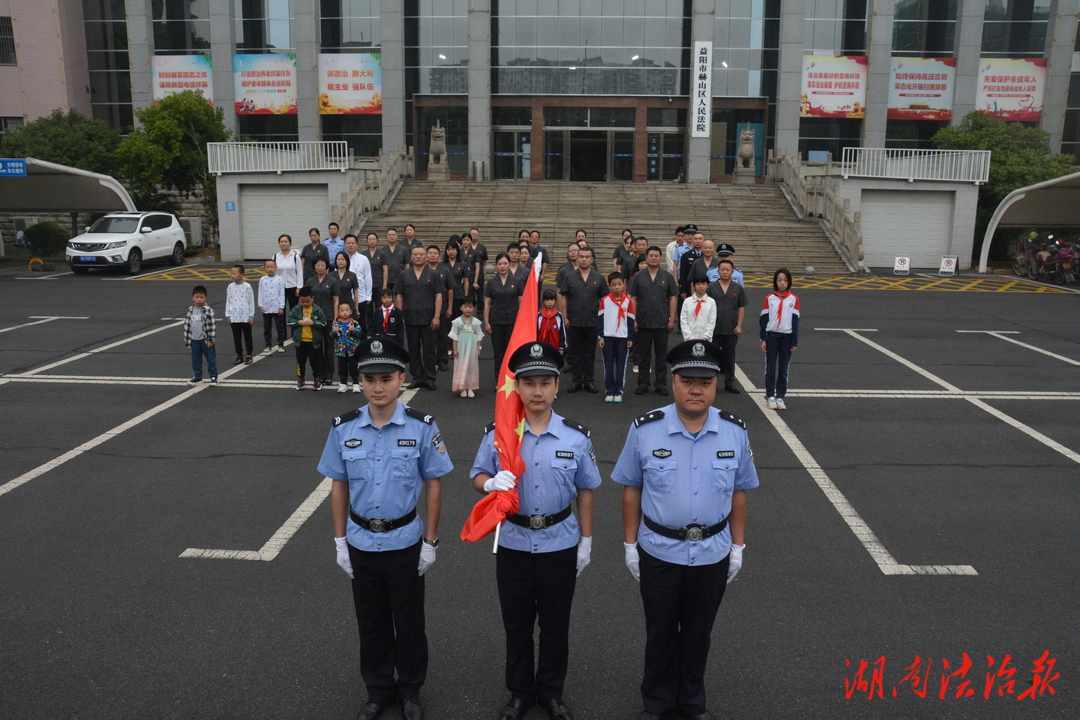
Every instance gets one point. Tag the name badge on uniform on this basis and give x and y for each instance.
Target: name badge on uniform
(725, 453)
(564, 454)
(661, 453)
(406, 443)
(353, 443)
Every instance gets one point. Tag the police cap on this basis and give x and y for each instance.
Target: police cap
(691, 228)
(695, 358)
(381, 355)
(725, 249)
(535, 358)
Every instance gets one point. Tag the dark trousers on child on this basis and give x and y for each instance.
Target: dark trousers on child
(270, 321)
(306, 351)
(198, 352)
(615, 351)
(347, 368)
(242, 329)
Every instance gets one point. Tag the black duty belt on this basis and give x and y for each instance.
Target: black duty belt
(539, 522)
(692, 533)
(380, 526)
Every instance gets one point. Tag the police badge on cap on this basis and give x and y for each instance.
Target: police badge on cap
(695, 358)
(535, 358)
(381, 355)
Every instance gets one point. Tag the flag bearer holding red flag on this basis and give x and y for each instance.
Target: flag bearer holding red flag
(543, 547)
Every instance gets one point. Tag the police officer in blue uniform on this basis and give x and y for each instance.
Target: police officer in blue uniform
(686, 469)
(545, 547)
(380, 457)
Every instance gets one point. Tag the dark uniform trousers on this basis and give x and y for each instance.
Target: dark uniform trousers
(727, 344)
(581, 346)
(648, 342)
(422, 341)
(681, 603)
(388, 593)
(536, 586)
(500, 340)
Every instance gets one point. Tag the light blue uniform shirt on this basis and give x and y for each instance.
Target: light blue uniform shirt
(686, 480)
(333, 247)
(736, 276)
(385, 468)
(557, 462)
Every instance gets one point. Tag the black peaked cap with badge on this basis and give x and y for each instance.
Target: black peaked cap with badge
(535, 358)
(691, 228)
(381, 355)
(695, 358)
(724, 250)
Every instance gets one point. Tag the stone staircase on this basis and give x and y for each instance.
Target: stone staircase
(757, 220)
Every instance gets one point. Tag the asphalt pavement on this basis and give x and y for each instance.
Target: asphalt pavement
(918, 502)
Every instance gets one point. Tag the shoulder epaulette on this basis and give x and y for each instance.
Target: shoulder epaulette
(578, 426)
(648, 417)
(489, 427)
(417, 415)
(346, 417)
(725, 415)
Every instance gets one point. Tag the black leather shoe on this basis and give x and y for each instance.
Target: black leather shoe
(370, 711)
(575, 387)
(412, 710)
(414, 385)
(703, 716)
(589, 387)
(732, 389)
(430, 384)
(661, 391)
(642, 389)
(441, 366)
(555, 708)
(648, 716)
(515, 708)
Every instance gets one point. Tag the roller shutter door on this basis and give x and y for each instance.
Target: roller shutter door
(906, 222)
(267, 211)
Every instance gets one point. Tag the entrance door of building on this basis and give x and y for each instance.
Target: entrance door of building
(513, 154)
(588, 155)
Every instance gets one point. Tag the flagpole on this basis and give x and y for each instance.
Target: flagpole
(495, 547)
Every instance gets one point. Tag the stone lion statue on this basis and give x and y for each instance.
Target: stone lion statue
(437, 149)
(746, 148)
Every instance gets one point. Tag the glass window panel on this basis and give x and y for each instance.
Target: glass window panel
(106, 36)
(633, 32)
(110, 87)
(568, 31)
(547, 7)
(547, 55)
(741, 9)
(506, 26)
(591, 7)
(590, 31)
(655, 32)
(634, 7)
(611, 31)
(526, 7)
(104, 10)
(526, 31)
(1073, 100)
(569, 7)
(511, 116)
(547, 31)
(107, 61)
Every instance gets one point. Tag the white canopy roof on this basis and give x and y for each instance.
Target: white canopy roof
(1054, 203)
(49, 187)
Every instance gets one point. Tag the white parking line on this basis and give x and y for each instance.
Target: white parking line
(1026, 429)
(110, 434)
(277, 541)
(910, 365)
(43, 319)
(88, 353)
(1001, 335)
(880, 555)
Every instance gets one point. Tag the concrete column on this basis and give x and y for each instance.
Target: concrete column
(699, 150)
(140, 32)
(789, 82)
(222, 47)
(480, 85)
(877, 88)
(392, 30)
(304, 32)
(969, 28)
(1060, 36)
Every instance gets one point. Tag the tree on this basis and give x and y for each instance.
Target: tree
(67, 139)
(1020, 156)
(168, 149)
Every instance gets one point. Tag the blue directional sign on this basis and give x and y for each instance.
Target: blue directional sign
(12, 168)
(229, 206)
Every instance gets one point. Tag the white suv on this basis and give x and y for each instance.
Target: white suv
(126, 239)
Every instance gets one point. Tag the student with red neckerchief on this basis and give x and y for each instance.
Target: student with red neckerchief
(779, 337)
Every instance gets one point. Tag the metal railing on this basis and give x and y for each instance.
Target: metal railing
(971, 166)
(815, 198)
(279, 157)
(372, 189)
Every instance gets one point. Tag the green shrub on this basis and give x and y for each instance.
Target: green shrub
(47, 239)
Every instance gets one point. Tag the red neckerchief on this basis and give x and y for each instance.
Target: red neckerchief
(386, 319)
(780, 305)
(622, 309)
(549, 331)
(697, 310)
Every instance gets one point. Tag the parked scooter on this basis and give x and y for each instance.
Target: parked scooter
(1025, 252)
(1066, 260)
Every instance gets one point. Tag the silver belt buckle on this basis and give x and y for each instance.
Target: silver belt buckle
(377, 526)
(693, 534)
(537, 522)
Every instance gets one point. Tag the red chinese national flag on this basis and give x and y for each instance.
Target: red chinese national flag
(509, 421)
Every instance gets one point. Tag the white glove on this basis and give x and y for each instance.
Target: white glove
(734, 561)
(343, 555)
(584, 553)
(503, 480)
(633, 561)
(427, 556)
